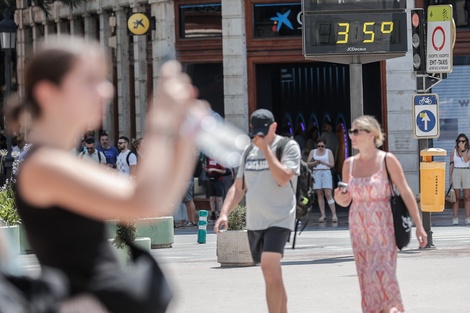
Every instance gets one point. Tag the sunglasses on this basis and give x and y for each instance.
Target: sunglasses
(90, 148)
(320, 146)
(121, 143)
(462, 141)
(356, 131)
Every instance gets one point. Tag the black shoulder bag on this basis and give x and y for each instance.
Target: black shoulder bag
(401, 216)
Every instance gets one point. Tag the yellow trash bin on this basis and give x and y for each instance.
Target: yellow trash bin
(432, 181)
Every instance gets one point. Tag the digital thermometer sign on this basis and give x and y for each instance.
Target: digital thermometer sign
(353, 33)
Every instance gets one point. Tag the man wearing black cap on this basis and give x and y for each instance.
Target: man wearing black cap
(270, 200)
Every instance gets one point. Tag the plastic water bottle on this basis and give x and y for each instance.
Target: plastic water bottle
(216, 138)
(202, 226)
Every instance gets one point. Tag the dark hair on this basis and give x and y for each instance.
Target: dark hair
(124, 138)
(52, 61)
(466, 141)
(321, 139)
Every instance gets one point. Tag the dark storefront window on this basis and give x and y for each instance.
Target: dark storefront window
(277, 20)
(200, 21)
(209, 81)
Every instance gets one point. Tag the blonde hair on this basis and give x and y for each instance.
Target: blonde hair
(370, 123)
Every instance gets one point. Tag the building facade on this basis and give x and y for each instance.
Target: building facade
(242, 55)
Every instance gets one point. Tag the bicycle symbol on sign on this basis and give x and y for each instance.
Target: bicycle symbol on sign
(425, 100)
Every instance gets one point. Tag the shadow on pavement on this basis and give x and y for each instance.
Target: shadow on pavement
(335, 260)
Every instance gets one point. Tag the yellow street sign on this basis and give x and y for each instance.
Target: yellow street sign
(138, 24)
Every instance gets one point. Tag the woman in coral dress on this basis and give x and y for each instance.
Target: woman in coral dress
(370, 216)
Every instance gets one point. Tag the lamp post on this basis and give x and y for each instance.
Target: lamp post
(8, 42)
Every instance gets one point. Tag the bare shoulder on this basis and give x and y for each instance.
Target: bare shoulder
(49, 174)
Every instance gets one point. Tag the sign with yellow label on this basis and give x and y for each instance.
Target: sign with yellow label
(138, 24)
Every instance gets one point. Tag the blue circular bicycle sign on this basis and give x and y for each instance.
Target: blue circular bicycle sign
(426, 116)
(426, 121)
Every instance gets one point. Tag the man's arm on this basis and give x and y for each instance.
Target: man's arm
(233, 198)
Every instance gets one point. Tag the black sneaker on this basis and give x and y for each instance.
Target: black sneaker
(213, 217)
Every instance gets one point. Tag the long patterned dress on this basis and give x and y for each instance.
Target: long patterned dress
(373, 241)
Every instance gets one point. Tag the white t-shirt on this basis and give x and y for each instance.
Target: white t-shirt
(269, 204)
(121, 162)
(94, 156)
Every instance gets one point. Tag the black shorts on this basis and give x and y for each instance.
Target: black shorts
(272, 239)
(216, 188)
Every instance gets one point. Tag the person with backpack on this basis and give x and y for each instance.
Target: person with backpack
(91, 152)
(321, 160)
(126, 162)
(269, 185)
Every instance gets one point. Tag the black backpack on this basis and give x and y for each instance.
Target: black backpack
(304, 181)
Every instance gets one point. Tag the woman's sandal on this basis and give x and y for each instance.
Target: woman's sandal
(335, 219)
(322, 219)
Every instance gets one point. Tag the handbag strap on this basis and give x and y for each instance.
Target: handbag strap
(392, 190)
(448, 190)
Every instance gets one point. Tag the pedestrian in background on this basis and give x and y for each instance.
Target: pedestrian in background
(269, 185)
(459, 176)
(126, 162)
(63, 202)
(321, 161)
(109, 151)
(91, 152)
(370, 216)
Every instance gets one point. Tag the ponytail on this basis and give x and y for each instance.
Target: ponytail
(16, 114)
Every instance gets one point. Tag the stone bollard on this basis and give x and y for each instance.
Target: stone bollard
(202, 226)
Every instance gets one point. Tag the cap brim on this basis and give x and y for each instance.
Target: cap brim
(263, 131)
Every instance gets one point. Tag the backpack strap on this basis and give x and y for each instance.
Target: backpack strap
(127, 157)
(247, 152)
(279, 151)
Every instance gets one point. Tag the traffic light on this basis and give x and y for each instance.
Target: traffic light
(418, 40)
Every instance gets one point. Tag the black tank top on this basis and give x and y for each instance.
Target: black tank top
(65, 240)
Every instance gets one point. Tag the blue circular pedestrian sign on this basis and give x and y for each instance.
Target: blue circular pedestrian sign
(425, 120)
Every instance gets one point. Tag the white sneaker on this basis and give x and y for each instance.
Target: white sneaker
(467, 220)
(455, 221)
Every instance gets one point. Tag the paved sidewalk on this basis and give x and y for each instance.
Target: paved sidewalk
(320, 274)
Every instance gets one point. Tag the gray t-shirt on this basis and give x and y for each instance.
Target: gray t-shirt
(269, 204)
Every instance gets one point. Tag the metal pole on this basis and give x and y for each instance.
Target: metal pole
(424, 144)
(8, 161)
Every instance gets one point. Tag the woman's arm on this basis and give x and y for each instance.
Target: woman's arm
(344, 199)
(398, 179)
(54, 177)
(309, 162)
(451, 166)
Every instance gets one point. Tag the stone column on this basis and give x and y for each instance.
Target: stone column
(123, 82)
(63, 27)
(401, 86)
(105, 34)
(76, 26)
(164, 36)
(23, 49)
(235, 63)
(140, 75)
(90, 27)
(49, 29)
